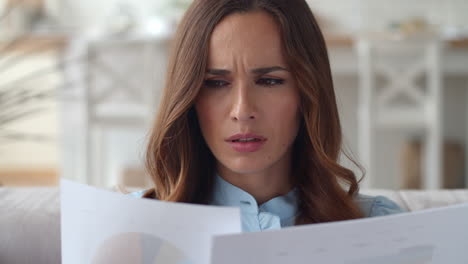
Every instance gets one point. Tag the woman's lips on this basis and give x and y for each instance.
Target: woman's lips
(246, 142)
(250, 146)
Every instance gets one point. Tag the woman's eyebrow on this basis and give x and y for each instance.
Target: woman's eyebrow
(268, 70)
(265, 70)
(218, 72)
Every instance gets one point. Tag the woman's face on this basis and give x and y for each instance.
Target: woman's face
(248, 108)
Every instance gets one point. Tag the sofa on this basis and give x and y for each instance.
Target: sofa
(30, 219)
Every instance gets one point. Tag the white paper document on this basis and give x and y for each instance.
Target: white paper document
(102, 227)
(436, 236)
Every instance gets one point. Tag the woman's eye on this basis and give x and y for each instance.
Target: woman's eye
(270, 81)
(215, 83)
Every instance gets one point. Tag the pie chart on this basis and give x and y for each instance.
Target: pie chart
(138, 248)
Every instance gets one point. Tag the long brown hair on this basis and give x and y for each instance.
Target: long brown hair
(178, 159)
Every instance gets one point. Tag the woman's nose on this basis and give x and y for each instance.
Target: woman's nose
(243, 103)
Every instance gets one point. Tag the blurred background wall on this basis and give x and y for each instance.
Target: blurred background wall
(103, 59)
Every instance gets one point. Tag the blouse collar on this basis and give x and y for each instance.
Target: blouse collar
(227, 194)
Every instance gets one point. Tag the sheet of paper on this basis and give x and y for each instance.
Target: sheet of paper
(102, 227)
(435, 236)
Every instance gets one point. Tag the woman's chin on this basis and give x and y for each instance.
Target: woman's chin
(245, 167)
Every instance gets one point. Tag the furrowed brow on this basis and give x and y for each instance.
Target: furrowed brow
(221, 72)
(268, 70)
(260, 71)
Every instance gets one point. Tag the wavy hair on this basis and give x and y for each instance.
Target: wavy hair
(178, 159)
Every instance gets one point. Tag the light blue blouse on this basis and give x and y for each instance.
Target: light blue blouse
(281, 211)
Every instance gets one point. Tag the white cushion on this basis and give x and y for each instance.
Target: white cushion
(30, 225)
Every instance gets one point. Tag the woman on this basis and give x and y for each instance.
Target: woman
(249, 119)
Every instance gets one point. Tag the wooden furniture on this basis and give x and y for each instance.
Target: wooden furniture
(400, 88)
(29, 55)
(343, 62)
(120, 95)
(452, 65)
(348, 41)
(28, 177)
(411, 160)
(34, 44)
